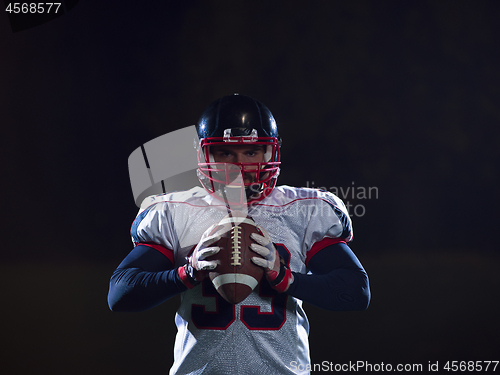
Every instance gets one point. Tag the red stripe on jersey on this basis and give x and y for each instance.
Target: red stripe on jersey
(320, 245)
(162, 249)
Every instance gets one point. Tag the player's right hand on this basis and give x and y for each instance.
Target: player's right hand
(203, 250)
(198, 265)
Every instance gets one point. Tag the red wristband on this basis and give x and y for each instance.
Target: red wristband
(185, 278)
(283, 285)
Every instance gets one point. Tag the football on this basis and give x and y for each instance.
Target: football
(236, 276)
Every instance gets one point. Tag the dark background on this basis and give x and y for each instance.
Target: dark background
(400, 96)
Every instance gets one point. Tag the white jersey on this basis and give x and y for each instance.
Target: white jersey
(267, 333)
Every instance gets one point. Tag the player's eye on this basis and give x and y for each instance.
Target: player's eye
(224, 154)
(254, 152)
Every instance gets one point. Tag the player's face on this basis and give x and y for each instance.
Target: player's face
(240, 154)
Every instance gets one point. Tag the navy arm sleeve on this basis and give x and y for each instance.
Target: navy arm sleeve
(143, 280)
(337, 281)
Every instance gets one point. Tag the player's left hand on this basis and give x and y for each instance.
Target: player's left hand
(277, 273)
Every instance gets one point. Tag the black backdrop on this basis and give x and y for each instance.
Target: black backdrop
(398, 100)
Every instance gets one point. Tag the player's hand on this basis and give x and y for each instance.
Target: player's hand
(203, 250)
(278, 275)
(197, 266)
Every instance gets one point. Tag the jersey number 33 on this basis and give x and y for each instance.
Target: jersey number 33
(254, 319)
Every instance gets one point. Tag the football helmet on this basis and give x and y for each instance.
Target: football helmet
(238, 120)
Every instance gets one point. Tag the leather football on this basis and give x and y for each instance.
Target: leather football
(236, 276)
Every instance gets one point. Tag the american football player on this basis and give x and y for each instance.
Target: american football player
(303, 249)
